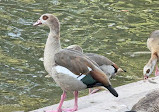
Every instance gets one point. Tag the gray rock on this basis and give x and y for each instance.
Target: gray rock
(149, 103)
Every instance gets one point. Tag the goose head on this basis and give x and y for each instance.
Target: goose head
(48, 20)
(148, 69)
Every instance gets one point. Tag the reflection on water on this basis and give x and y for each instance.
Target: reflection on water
(116, 29)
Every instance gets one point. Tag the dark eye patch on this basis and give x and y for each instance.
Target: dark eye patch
(45, 17)
(148, 71)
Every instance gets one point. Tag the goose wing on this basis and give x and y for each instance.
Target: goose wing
(79, 64)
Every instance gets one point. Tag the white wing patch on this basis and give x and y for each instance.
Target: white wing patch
(81, 77)
(63, 70)
(89, 69)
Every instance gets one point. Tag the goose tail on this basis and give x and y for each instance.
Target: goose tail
(112, 90)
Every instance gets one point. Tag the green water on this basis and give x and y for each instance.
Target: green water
(113, 28)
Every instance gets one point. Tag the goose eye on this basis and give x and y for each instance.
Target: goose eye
(45, 17)
(148, 71)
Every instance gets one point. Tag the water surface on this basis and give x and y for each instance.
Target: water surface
(113, 28)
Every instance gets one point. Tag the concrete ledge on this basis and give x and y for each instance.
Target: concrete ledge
(104, 102)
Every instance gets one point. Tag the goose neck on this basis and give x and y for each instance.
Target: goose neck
(51, 48)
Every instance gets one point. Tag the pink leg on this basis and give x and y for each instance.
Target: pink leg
(94, 91)
(75, 104)
(90, 90)
(59, 109)
(157, 71)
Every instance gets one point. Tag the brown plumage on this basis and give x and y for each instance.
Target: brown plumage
(153, 46)
(99, 59)
(78, 63)
(105, 64)
(70, 69)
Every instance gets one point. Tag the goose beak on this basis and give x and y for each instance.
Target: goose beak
(145, 77)
(37, 23)
(120, 70)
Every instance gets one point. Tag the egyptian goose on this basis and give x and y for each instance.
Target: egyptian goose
(71, 70)
(106, 65)
(153, 46)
